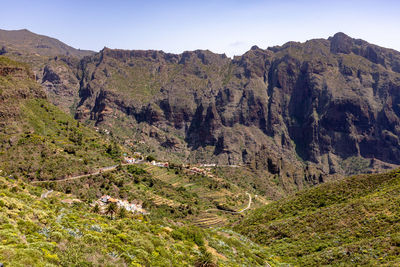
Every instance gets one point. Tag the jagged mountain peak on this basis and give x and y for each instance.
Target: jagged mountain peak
(298, 96)
(329, 102)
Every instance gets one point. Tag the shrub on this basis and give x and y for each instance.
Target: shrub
(205, 260)
(56, 236)
(135, 170)
(70, 150)
(122, 213)
(27, 227)
(396, 239)
(178, 235)
(150, 158)
(96, 208)
(189, 233)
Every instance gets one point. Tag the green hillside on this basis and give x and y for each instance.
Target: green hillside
(39, 141)
(40, 227)
(355, 221)
(45, 231)
(165, 193)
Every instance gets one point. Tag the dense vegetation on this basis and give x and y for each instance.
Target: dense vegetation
(165, 192)
(39, 141)
(37, 231)
(355, 221)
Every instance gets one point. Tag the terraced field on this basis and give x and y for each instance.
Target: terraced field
(207, 220)
(166, 175)
(210, 189)
(159, 200)
(214, 193)
(193, 197)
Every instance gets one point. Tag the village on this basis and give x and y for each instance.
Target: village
(139, 159)
(136, 208)
(201, 169)
(105, 200)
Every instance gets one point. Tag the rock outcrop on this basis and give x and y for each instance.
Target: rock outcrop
(321, 102)
(303, 112)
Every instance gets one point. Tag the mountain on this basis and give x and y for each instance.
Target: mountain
(53, 63)
(294, 115)
(29, 42)
(351, 222)
(273, 121)
(306, 112)
(53, 220)
(37, 140)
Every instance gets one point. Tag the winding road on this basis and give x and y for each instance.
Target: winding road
(248, 206)
(112, 168)
(235, 212)
(101, 170)
(98, 171)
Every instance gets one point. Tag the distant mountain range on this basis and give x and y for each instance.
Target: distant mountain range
(296, 114)
(24, 41)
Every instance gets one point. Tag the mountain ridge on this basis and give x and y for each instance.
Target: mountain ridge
(251, 69)
(265, 125)
(36, 136)
(35, 43)
(304, 112)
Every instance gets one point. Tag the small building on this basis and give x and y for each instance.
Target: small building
(129, 160)
(208, 165)
(112, 200)
(105, 198)
(132, 207)
(160, 164)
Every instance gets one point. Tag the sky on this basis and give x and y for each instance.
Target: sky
(222, 26)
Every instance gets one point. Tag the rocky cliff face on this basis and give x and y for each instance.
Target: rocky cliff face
(304, 112)
(59, 78)
(332, 103)
(54, 63)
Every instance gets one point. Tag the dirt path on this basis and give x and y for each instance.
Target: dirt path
(44, 195)
(101, 170)
(235, 212)
(248, 206)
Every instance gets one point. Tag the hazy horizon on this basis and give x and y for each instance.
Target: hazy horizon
(229, 27)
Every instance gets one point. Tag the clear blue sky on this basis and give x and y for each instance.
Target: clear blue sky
(223, 26)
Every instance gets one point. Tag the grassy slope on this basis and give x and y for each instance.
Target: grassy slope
(166, 193)
(47, 232)
(39, 141)
(355, 221)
